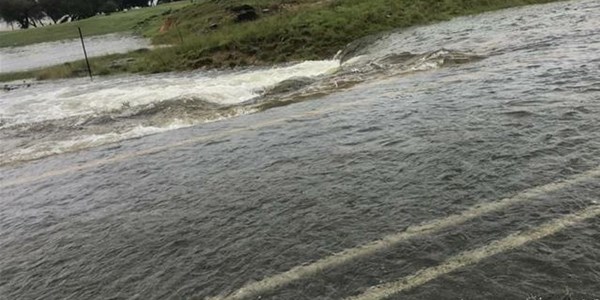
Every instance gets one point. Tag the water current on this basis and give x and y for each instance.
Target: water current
(200, 185)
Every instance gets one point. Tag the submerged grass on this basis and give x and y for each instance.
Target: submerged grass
(205, 35)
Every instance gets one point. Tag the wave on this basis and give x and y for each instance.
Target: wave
(31, 141)
(69, 115)
(405, 62)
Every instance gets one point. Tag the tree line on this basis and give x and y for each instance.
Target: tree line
(29, 13)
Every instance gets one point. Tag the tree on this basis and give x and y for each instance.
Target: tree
(80, 9)
(54, 9)
(108, 7)
(30, 12)
(23, 12)
(134, 3)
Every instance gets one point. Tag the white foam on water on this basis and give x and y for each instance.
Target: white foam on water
(66, 98)
(44, 149)
(56, 100)
(48, 148)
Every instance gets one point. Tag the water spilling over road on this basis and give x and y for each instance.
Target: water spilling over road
(451, 161)
(56, 117)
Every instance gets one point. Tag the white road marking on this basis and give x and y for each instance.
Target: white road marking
(475, 256)
(389, 241)
(299, 272)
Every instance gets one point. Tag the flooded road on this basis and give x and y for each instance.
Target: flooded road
(453, 161)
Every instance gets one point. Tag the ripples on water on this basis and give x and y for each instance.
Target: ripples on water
(62, 116)
(512, 104)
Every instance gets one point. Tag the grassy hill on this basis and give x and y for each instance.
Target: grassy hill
(205, 34)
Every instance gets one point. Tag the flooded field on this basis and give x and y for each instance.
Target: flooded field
(15, 59)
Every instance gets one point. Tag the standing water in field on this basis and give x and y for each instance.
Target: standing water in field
(15, 59)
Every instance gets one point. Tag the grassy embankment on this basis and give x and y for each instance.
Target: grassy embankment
(290, 30)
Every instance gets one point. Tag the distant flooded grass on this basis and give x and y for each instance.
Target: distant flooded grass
(103, 65)
(205, 34)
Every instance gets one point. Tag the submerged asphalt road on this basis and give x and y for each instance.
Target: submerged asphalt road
(475, 181)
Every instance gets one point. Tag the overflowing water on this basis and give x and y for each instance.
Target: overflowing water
(497, 115)
(14, 59)
(111, 109)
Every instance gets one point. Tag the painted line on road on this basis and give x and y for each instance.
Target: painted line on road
(299, 272)
(471, 257)
(279, 280)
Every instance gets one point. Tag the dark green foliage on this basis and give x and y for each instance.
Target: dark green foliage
(27, 12)
(109, 7)
(53, 9)
(23, 12)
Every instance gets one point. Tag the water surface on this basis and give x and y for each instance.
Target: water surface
(422, 124)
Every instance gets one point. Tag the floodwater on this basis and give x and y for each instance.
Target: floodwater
(452, 161)
(15, 59)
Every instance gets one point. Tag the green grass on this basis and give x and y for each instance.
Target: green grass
(134, 20)
(295, 30)
(306, 29)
